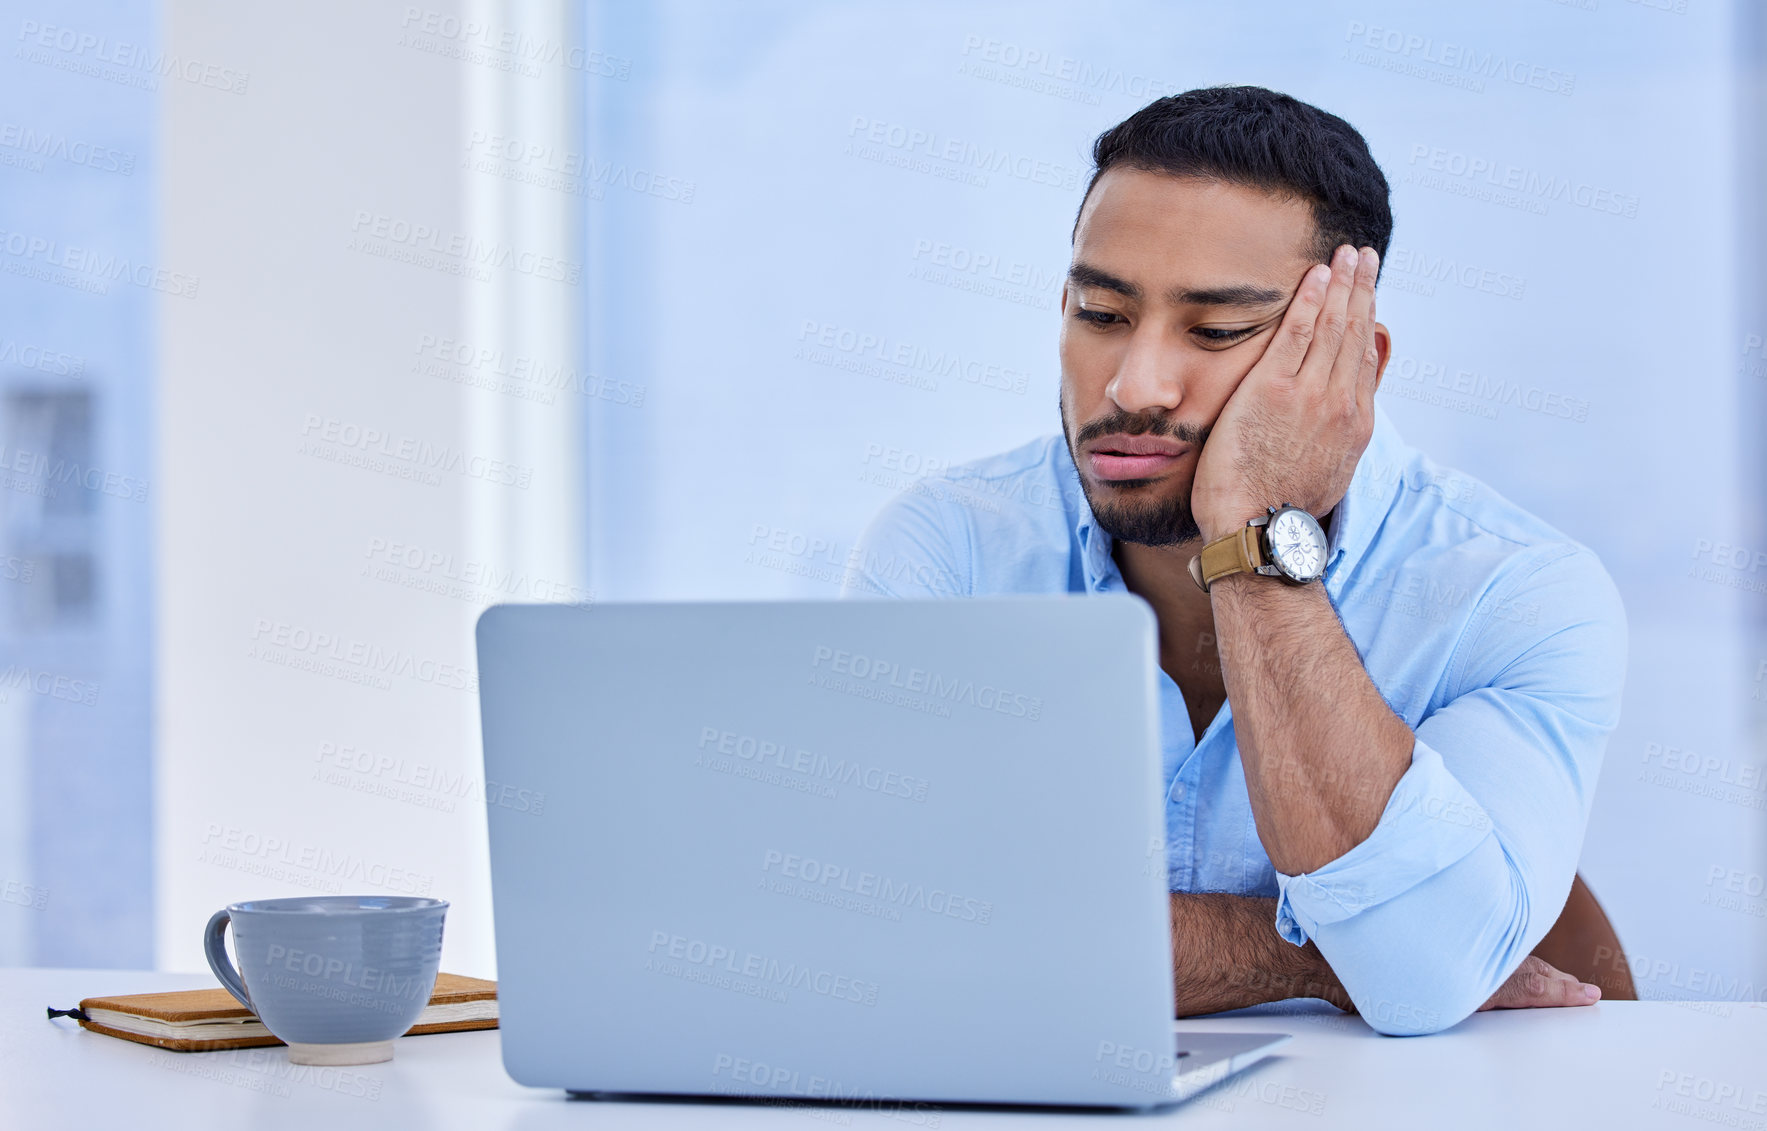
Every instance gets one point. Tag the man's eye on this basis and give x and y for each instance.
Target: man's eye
(1096, 317)
(1215, 334)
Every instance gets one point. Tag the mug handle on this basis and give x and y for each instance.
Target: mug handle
(214, 948)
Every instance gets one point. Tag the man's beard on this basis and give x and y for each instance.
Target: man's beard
(1130, 514)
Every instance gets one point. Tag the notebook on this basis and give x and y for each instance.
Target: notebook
(210, 1020)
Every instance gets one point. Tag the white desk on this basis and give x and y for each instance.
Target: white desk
(1620, 1065)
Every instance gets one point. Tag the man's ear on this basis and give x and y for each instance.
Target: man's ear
(1383, 346)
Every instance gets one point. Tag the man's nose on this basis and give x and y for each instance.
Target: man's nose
(1151, 373)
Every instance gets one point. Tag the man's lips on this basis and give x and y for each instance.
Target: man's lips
(1134, 457)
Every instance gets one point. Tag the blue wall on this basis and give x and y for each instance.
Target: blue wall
(79, 280)
(1566, 291)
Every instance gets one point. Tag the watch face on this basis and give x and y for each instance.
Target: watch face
(1297, 544)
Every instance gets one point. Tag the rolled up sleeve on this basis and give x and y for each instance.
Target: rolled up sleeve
(1475, 850)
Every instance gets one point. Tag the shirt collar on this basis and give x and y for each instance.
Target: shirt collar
(1353, 523)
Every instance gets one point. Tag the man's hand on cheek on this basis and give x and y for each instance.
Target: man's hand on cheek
(1294, 429)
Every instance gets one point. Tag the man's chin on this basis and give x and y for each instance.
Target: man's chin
(1123, 510)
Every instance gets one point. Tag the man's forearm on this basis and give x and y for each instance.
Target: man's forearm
(1226, 954)
(1322, 750)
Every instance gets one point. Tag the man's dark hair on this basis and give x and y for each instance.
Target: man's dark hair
(1246, 135)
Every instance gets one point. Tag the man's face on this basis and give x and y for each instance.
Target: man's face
(1176, 288)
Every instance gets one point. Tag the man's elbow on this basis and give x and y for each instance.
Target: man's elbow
(1426, 962)
(1405, 1015)
(1419, 992)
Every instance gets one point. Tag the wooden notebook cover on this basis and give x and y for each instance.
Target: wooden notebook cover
(218, 1005)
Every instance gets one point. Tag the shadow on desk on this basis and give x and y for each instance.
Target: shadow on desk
(927, 1113)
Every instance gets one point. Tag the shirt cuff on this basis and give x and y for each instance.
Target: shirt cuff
(1429, 823)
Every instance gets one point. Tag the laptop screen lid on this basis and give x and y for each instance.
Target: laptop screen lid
(836, 849)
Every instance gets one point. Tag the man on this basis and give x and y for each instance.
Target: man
(1386, 688)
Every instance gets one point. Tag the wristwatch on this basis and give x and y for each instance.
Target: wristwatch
(1285, 542)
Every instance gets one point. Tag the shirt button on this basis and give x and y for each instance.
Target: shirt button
(1178, 792)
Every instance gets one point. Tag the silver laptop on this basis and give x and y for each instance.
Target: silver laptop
(863, 851)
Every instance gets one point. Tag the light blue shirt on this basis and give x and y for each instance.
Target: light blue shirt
(1498, 639)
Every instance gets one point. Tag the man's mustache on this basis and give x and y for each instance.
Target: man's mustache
(1130, 424)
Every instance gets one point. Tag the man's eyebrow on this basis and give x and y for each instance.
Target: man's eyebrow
(1239, 294)
(1083, 275)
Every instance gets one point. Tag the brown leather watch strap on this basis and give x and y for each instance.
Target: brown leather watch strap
(1238, 552)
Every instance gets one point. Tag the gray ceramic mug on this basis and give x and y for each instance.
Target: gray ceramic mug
(335, 977)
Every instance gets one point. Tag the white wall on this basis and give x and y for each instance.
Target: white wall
(307, 328)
